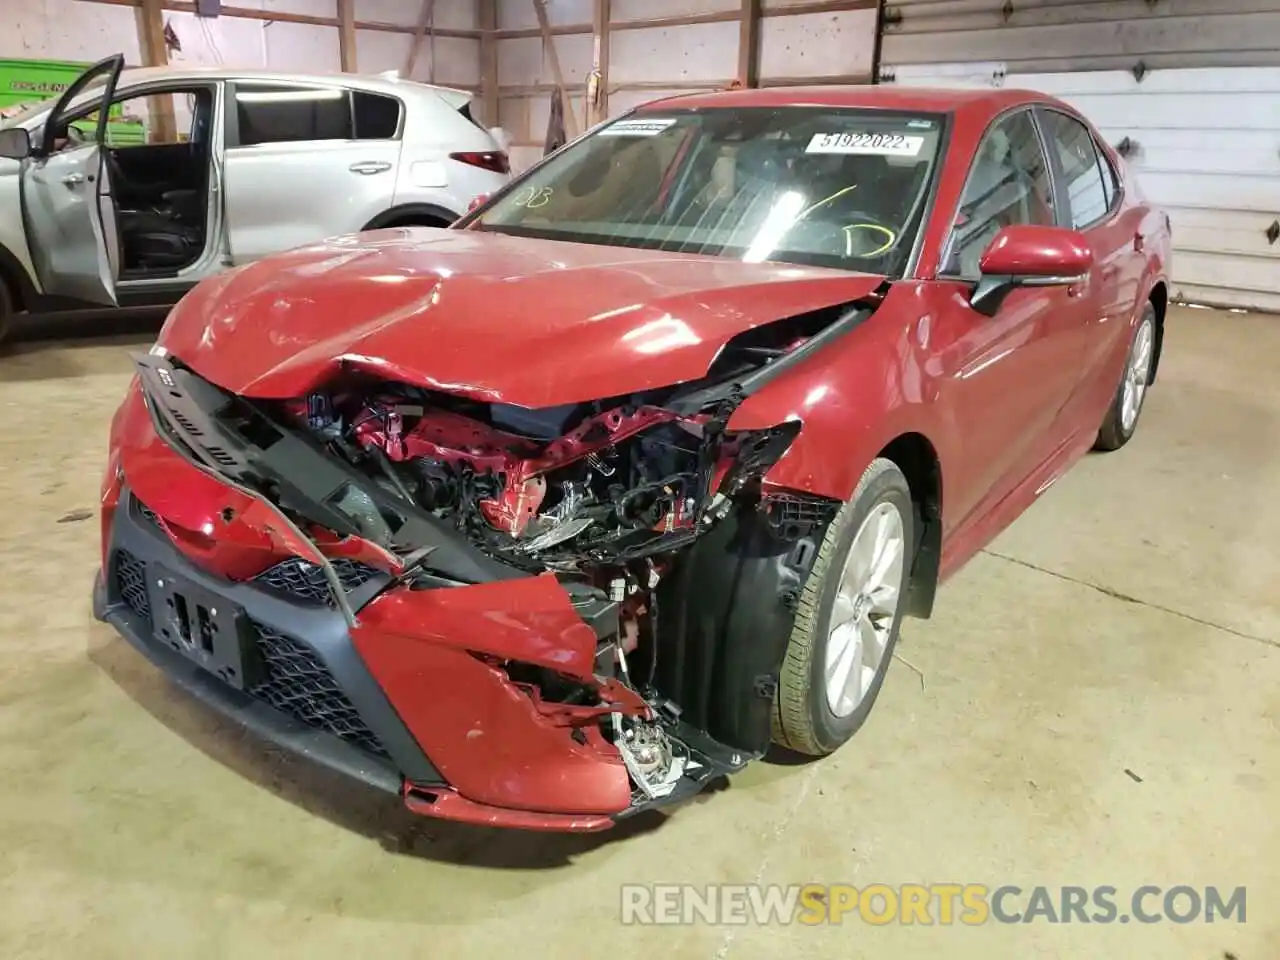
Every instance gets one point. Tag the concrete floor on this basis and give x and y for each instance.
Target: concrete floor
(1131, 621)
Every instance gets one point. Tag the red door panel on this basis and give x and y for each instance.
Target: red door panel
(1003, 380)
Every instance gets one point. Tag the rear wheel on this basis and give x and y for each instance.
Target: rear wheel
(1126, 406)
(848, 617)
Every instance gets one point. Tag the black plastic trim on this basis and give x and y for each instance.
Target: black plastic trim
(726, 616)
(407, 210)
(153, 295)
(321, 629)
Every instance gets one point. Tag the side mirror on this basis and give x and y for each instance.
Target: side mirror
(15, 143)
(1027, 256)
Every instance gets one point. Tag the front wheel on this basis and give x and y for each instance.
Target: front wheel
(6, 310)
(1126, 406)
(848, 616)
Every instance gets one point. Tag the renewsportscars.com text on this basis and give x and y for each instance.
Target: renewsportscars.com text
(970, 904)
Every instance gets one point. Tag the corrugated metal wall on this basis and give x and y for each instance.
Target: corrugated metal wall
(1044, 36)
(1193, 85)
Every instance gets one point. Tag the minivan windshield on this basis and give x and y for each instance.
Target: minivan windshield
(817, 186)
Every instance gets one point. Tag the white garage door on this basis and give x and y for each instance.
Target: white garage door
(1203, 132)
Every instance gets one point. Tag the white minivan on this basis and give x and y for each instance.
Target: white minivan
(136, 184)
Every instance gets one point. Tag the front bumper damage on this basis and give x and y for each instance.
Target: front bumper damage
(401, 702)
(398, 687)
(416, 660)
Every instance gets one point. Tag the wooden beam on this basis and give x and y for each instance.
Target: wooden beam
(878, 49)
(556, 30)
(519, 91)
(489, 60)
(749, 44)
(150, 20)
(347, 36)
(163, 127)
(281, 16)
(599, 110)
(426, 16)
(692, 19)
(553, 58)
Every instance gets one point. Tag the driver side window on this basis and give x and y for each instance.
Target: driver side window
(151, 119)
(1008, 184)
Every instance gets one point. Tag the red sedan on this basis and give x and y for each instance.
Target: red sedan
(570, 509)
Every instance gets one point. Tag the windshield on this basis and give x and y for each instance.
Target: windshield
(815, 186)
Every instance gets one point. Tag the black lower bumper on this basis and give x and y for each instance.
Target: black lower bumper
(313, 695)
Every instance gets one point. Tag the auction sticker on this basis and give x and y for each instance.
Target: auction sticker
(882, 144)
(637, 127)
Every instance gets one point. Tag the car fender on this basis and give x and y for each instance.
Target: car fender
(854, 398)
(15, 255)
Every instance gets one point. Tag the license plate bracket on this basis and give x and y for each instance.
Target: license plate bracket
(206, 628)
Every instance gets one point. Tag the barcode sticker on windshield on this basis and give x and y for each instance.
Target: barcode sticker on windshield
(637, 128)
(882, 144)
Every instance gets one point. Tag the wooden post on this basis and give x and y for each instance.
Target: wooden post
(489, 60)
(347, 36)
(425, 25)
(155, 53)
(749, 44)
(600, 27)
(553, 58)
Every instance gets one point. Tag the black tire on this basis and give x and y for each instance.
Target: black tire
(7, 305)
(804, 720)
(421, 222)
(1115, 432)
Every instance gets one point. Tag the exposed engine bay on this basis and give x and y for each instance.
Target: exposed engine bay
(649, 511)
(540, 489)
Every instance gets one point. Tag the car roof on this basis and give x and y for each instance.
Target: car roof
(374, 84)
(970, 100)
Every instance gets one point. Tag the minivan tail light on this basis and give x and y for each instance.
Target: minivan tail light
(494, 160)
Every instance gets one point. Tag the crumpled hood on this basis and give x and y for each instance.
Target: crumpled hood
(535, 323)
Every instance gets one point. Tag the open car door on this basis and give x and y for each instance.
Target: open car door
(66, 195)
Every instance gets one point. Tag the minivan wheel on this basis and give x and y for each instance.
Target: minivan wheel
(848, 616)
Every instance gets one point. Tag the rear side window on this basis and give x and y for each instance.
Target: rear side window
(377, 117)
(268, 114)
(1085, 173)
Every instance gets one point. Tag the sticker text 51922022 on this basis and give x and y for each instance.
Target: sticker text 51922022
(882, 144)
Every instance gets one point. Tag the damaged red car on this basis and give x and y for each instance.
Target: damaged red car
(568, 510)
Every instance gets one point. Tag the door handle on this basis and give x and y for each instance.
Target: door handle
(369, 167)
(73, 179)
